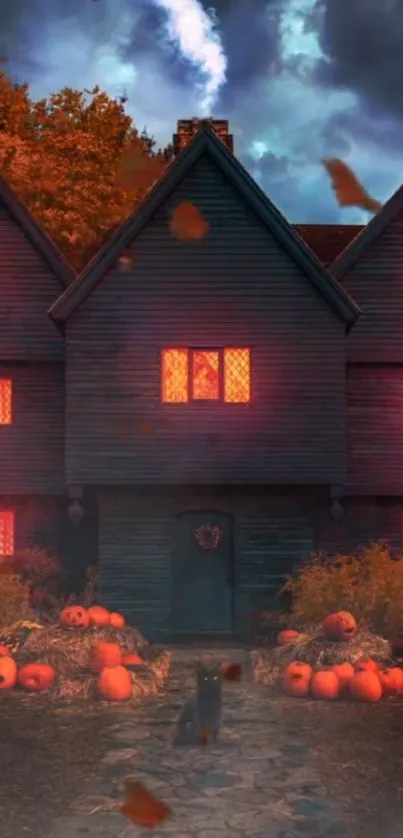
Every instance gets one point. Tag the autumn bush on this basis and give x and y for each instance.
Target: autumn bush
(369, 584)
(14, 599)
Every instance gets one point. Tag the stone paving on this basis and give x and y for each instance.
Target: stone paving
(258, 782)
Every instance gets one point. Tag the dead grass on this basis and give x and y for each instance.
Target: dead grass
(313, 648)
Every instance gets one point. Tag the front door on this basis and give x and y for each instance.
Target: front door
(202, 574)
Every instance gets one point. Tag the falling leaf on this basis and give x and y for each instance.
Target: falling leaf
(142, 807)
(232, 671)
(187, 223)
(126, 260)
(348, 189)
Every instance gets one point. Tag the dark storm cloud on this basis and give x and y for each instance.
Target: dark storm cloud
(363, 45)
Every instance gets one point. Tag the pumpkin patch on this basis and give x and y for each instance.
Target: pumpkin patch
(344, 672)
(325, 685)
(116, 620)
(98, 616)
(105, 655)
(286, 636)
(366, 686)
(8, 672)
(115, 684)
(340, 626)
(75, 617)
(36, 677)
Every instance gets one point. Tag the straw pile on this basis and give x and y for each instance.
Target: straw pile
(313, 647)
(69, 652)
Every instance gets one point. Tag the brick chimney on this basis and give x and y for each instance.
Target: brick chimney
(187, 128)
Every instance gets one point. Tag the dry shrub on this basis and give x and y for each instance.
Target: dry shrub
(14, 600)
(370, 585)
(49, 611)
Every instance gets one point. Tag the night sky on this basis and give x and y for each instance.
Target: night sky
(298, 80)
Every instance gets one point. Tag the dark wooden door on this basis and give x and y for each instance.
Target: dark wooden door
(202, 576)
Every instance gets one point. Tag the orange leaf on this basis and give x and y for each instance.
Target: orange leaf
(187, 223)
(348, 189)
(142, 807)
(232, 671)
(126, 260)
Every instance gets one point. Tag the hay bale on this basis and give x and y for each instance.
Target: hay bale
(69, 652)
(314, 648)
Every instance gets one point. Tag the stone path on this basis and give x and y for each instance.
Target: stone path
(258, 783)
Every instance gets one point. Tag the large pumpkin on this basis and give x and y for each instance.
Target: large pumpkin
(366, 686)
(115, 684)
(4, 651)
(8, 672)
(391, 680)
(344, 672)
(339, 626)
(366, 665)
(99, 616)
(325, 685)
(36, 677)
(116, 620)
(297, 679)
(105, 655)
(75, 616)
(286, 636)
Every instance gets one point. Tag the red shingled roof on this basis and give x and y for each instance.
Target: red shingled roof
(327, 240)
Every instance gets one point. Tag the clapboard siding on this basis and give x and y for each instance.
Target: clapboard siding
(237, 287)
(38, 520)
(375, 430)
(27, 289)
(136, 539)
(365, 520)
(32, 447)
(376, 283)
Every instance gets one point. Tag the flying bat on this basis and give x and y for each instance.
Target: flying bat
(348, 189)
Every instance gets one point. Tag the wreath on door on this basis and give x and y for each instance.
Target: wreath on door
(208, 536)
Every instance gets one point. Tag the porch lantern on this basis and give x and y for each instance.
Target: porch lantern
(76, 512)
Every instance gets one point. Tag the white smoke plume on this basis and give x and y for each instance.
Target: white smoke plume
(194, 31)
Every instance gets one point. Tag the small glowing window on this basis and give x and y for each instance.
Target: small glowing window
(6, 532)
(205, 374)
(236, 375)
(5, 401)
(175, 375)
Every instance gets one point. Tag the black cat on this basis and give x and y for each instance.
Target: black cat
(200, 718)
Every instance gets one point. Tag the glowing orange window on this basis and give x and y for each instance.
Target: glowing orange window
(175, 375)
(6, 392)
(205, 374)
(6, 532)
(236, 375)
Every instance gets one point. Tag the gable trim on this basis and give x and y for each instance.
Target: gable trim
(366, 238)
(37, 236)
(206, 141)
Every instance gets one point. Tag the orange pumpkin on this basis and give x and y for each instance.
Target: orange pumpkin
(75, 616)
(286, 636)
(325, 685)
(132, 660)
(36, 677)
(344, 672)
(366, 686)
(8, 672)
(115, 684)
(99, 616)
(4, 650)
(391, 680)
(117, 621)
(339, 626)
(297, 679)
(105, 655)
(366, 665)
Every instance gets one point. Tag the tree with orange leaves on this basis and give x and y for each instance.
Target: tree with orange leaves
(77, 161)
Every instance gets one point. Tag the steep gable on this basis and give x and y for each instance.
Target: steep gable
(33, 273)
(206, 144)
(371, 270)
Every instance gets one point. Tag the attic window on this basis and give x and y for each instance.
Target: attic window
(206, 375)
(6, 533)
(5, 401)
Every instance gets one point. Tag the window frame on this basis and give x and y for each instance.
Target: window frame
(221, 374)
(11, 511)
(7, 378)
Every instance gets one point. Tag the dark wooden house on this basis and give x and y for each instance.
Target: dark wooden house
(223, 407)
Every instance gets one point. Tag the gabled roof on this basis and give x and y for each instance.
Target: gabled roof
(42, 243)
(361, 244)
(327, 240)
(205, 141)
